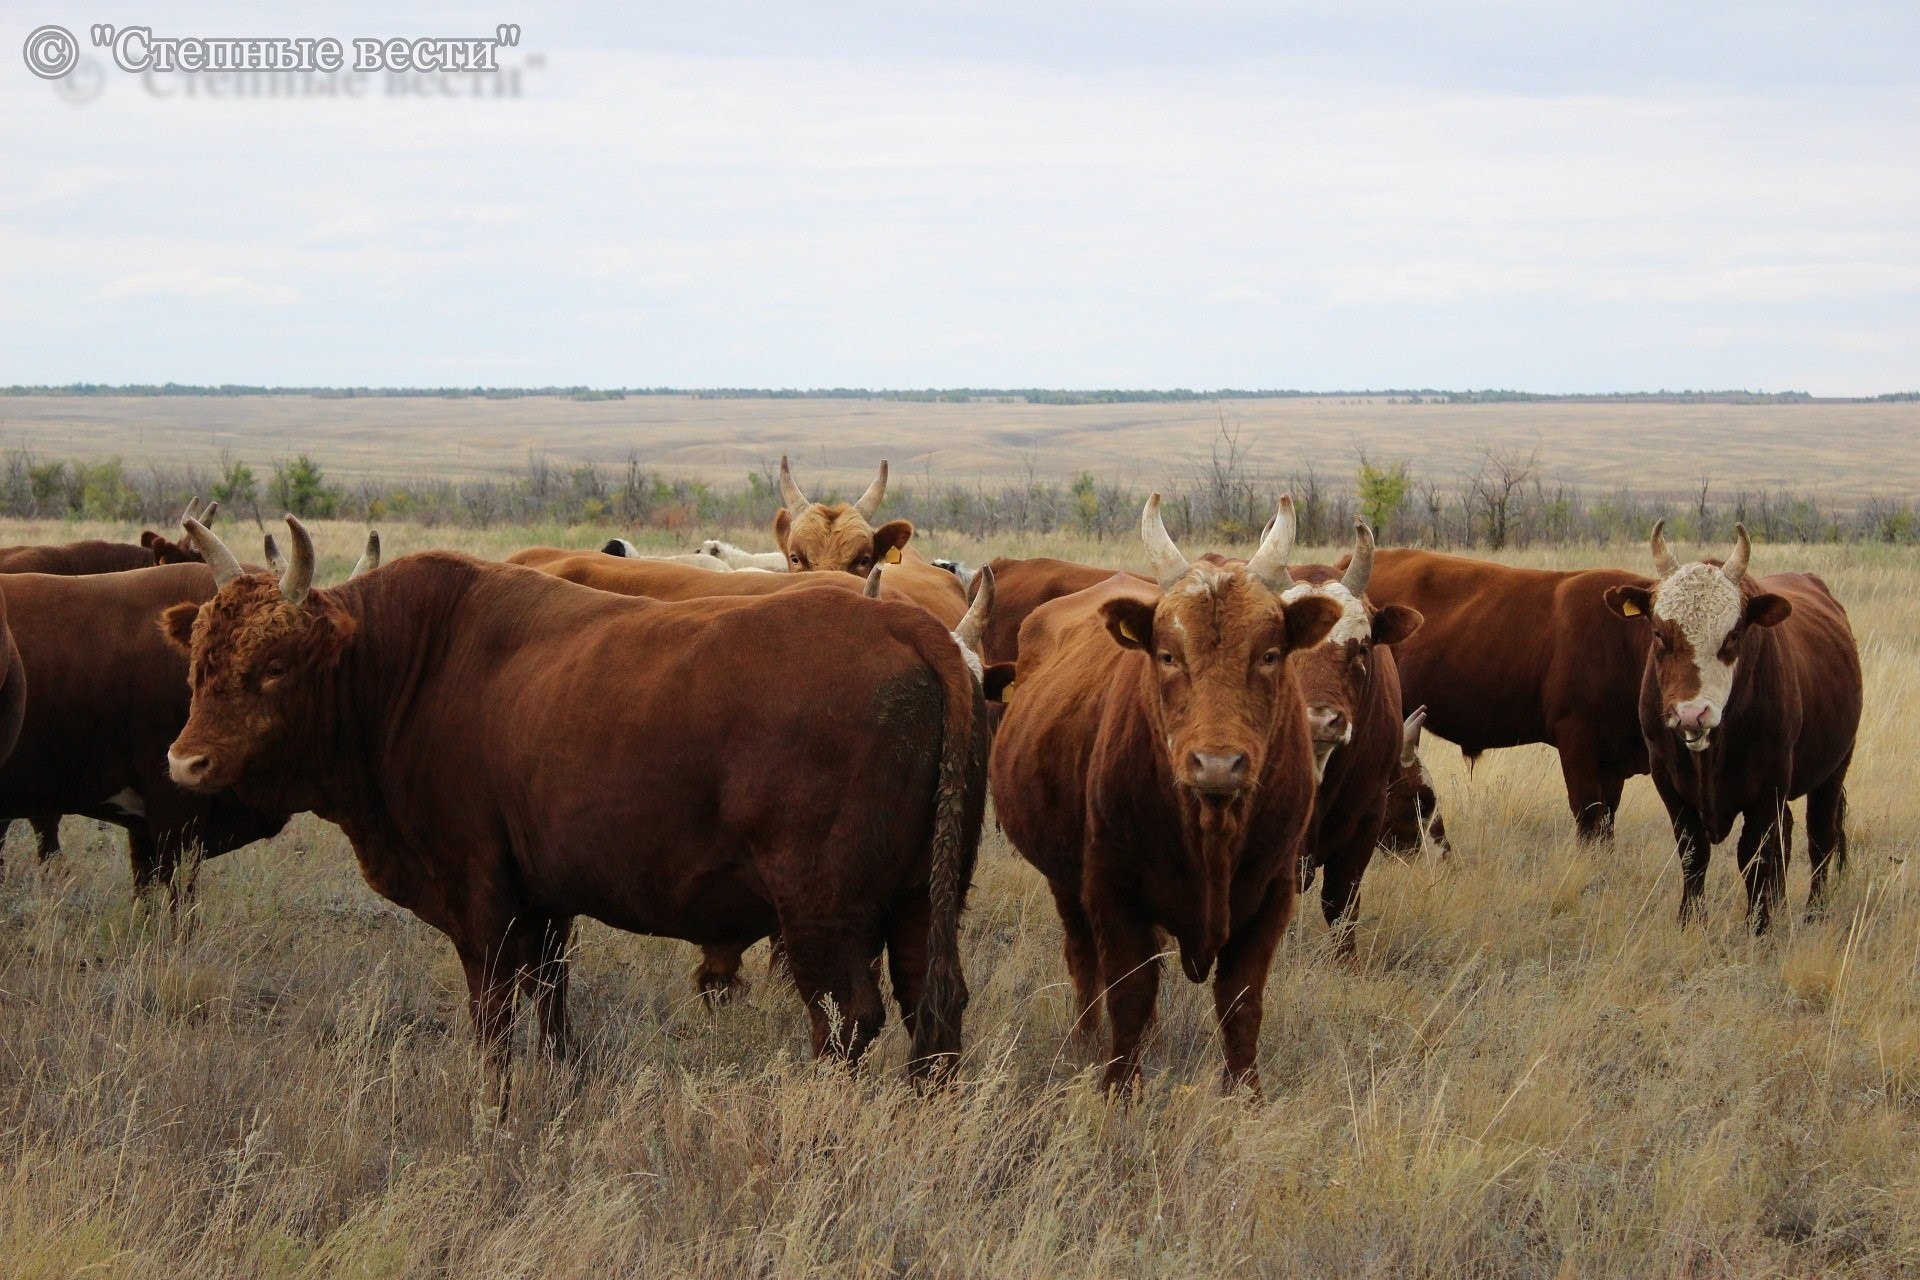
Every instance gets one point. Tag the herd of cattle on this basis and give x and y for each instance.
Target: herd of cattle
(800, 744)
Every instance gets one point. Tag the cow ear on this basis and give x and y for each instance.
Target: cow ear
(335, 633)
(782, 526)
(1395, 623)
(1768, 610)
(1130, 622)
(177, 625)
(889, 538)
(148, 538)
(1309, 619)
(1000, 678)
(1630, 601)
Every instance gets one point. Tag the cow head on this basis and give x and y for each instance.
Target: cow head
(835, 536)
(1217, 642)
(1413, 810)
(167, 551)
(256, 653)
(1336, 675)
(1699, 613)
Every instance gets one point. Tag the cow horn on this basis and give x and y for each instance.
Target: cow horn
(298, 579)
(194, 513)
(1360, 568)
(789, 491)
(1269, 563)
(1165, 558)
(872, 590)
(1410, 737)
(275, 561)
(370, 558)
(225, 567)
(869, 504)
(1736, 566)
(1663, 561)
(974, 625)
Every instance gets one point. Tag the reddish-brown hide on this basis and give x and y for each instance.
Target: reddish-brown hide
(507, 750)
(1154, 764)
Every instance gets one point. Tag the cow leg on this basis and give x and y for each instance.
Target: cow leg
(1826, 831)
(1083, 961)
(46, 826)
(832, 967)
(490, 984)
(718, 977)
(1340, 889)
(1691, 843)
(544, 983)
(1766, 834)
(1587, 790)
(1130, 962)
(933, 1033)
(1240, 983)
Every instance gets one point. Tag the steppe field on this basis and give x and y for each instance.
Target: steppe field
(1528, 1070)
(1837, 449)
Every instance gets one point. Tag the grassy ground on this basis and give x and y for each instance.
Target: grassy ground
(1528, 1071)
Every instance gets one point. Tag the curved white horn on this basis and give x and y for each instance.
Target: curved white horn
(872, 590)
(298, 579)
(1736, 566)
(1663, 561)
(275, 561)
(1269, 563)
(789, 491)
(876, 493)
(1164, 558)
(225, 566)
(1410, 737)
(370, 558)
(980, 612)
(1360, 568)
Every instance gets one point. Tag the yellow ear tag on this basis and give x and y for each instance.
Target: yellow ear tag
(1629, 609)
(1126, 629)
(893, 555)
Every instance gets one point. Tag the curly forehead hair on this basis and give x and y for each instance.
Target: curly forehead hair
(247, 618)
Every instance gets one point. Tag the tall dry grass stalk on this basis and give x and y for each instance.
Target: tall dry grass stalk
(1530, 1070)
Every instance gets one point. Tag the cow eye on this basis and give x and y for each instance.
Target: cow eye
(274, 670)
(794, 558)
(1271, 658)
(1166, 658)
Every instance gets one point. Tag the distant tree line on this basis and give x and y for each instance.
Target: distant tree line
(1503, 498)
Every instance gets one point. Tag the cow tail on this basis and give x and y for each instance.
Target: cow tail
(955, 841)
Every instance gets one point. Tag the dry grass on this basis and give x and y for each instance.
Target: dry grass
(1529, 1071)
(1841, 451)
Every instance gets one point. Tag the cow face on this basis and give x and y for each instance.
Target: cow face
(255, 651)
(1336, 675)
(1217, 640)
(1699, 614)
(834, 536)
(1413, 810)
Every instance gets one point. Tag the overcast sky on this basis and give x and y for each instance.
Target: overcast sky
(1552, 197)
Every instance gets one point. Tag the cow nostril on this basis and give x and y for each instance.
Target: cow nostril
(187, 770)
(1218, 772)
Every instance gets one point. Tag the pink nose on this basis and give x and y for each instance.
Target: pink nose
(1694, 717)
(1328, 724)
(188, 771)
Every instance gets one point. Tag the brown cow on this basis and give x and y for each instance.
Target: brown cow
(1750, 698)
(507, 751)
(101, 713)
(1509, 656)
(1024, 585)
(74, 559)
(1413, 822)
(13, 686)
(829, 537)
(665, 580)
(1155, 765)
(1352, 691)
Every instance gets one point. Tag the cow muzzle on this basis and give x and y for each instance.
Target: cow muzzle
(189, 769)
(1217, 775)
(1695, 722)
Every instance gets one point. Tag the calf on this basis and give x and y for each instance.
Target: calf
(1155, 765)
(1750, 698)
(507, 750)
